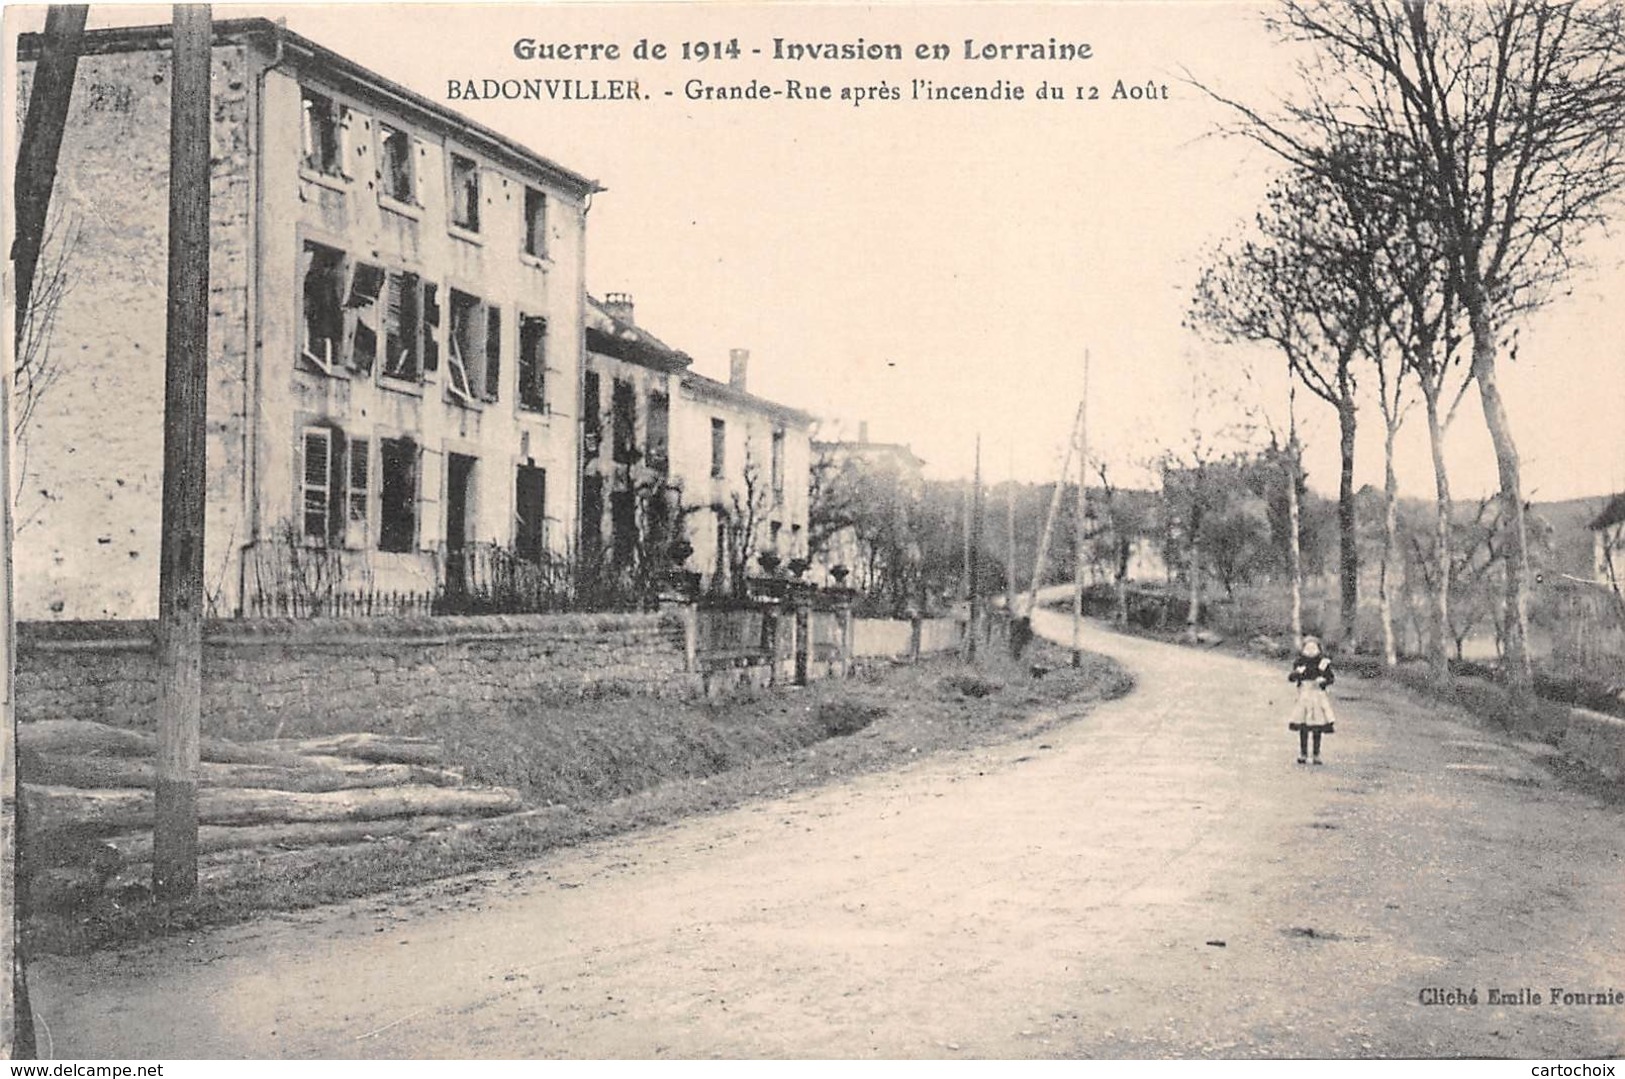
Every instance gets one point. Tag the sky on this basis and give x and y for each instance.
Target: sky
(941, 269)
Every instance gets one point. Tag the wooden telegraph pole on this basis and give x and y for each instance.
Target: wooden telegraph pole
(1081, 531)
(1010, 543)
(186, 367)
(1054, 510)
(973, 554)
(39, 145)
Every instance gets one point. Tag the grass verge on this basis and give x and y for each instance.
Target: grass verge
(606, 767)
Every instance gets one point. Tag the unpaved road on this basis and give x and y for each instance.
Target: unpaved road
(1049, 897)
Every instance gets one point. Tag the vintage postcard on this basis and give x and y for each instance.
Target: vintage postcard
(749, 530)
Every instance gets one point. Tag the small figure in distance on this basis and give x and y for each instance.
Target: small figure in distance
(1312, 714)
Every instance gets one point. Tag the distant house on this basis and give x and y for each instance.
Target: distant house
(1608, 540)
(629, 513)
(868, 492)
(681, 471)
(743, 461)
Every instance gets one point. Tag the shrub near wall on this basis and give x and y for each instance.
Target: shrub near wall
(262, 678)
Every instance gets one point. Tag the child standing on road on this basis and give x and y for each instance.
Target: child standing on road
(1311, 673)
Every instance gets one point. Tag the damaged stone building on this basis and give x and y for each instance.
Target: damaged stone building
(396, 311)
(682, 472)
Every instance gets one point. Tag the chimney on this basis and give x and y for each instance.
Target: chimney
(619, 305)
(738, 366)
(863, 430)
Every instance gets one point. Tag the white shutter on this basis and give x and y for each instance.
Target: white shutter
(359, 496)
(431, 529)
(317, 486)
(353, 127)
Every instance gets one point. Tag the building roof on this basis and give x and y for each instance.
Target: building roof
(701, 386)
(622, 340)
(344, 74)
(1611, 515)
(900, 452)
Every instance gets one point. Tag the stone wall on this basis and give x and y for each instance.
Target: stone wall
(265, 678)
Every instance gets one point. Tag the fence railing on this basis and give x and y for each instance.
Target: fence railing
(731, 632)
(488, 579)
(339, 604)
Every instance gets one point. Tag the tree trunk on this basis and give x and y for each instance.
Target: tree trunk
(1122, 581)
(1520, 672)
(1439, 636)
(1348, 539)
(1390, 525)
(1193, 611)
(1294, 543)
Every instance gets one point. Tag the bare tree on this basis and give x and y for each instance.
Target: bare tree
(1513, 112)
(742, 517)
(1425, 327)
(1309, 282)
(36, 369)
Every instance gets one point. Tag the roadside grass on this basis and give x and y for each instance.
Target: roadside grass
(605, 767)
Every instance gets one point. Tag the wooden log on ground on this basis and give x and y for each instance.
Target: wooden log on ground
(82, 737)
(382, 748)
(407, 773)
(317, 775)
(58, 809)
(136, 847)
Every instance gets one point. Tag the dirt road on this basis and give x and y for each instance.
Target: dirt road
(1158, 879)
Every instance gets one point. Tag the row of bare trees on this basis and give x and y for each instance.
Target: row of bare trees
(1442, 166)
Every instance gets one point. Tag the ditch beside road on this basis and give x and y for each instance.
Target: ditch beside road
(1157, 878)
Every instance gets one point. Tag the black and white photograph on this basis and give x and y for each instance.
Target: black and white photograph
(907, 531)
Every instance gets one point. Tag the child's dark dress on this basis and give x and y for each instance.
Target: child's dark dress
(1312, 715)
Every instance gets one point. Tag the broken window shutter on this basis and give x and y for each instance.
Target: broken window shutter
(392, 304)
(456, 370)
(393, 329)
(365, 285)
(431, 327)
(493, 353)
(336, 483)
(411, 326)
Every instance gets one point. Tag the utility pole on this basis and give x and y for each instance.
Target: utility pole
(1054, 510)
(1294, 547)
(964, 515)
(186, 368)
(1010, 542)
(1080, 530)
(973, 553)
(41, 143)
(39, 146)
